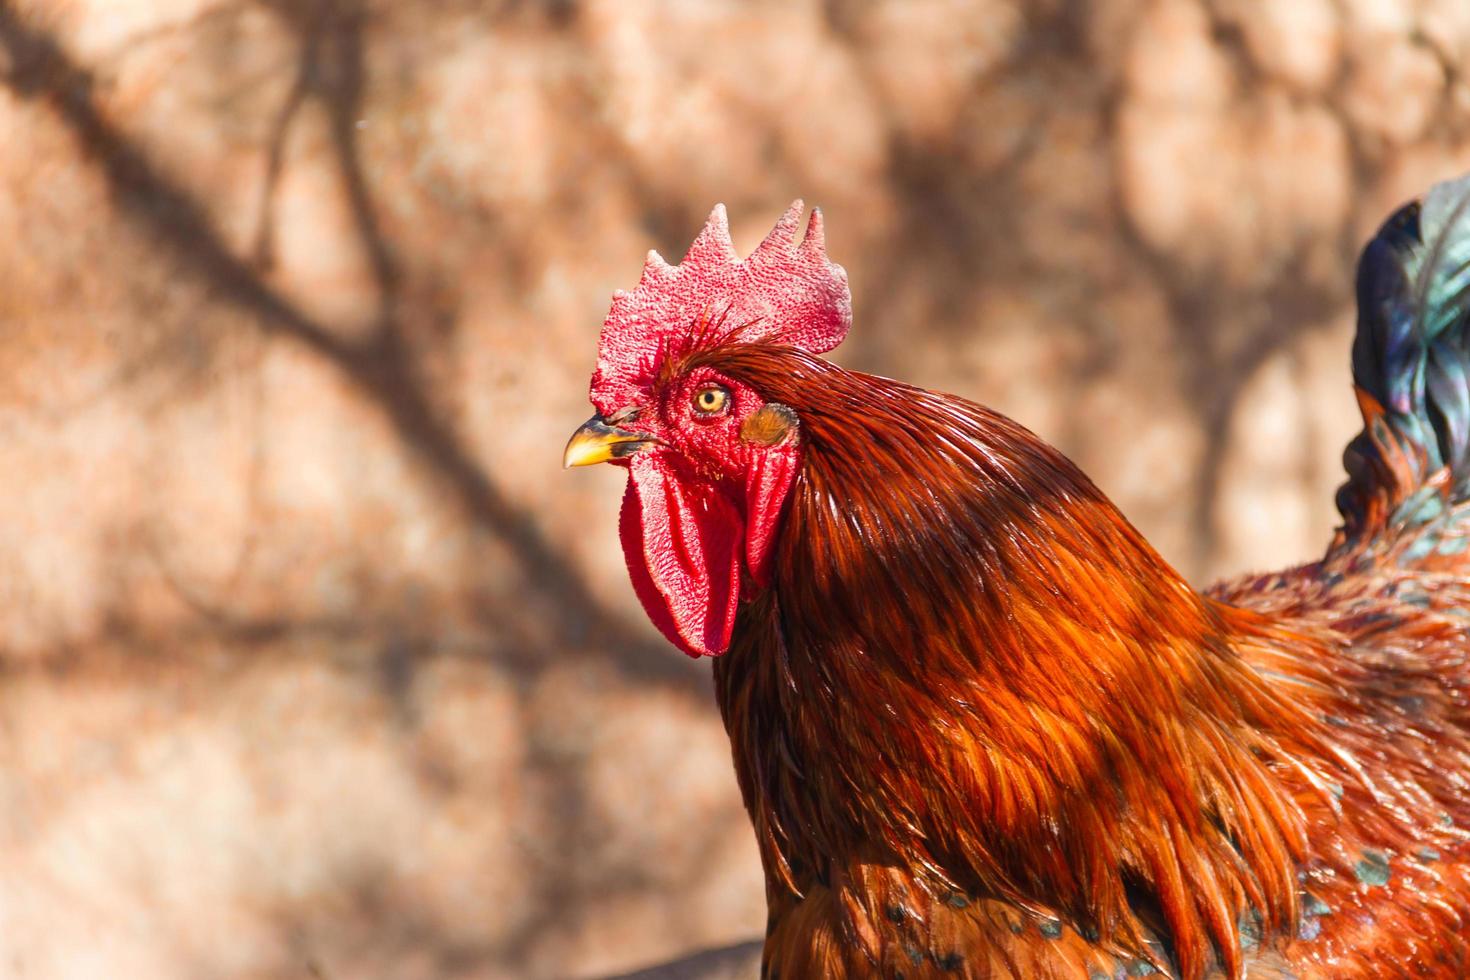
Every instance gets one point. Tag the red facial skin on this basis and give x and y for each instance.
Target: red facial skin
(707, 490)
(702, 507)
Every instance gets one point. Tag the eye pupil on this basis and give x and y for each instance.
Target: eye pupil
(710, 400)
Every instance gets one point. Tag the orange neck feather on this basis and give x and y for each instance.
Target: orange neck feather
(972, 669)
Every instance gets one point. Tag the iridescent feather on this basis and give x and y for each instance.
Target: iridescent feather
(984, 730)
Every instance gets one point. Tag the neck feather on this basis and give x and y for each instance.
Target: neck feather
(970, 667)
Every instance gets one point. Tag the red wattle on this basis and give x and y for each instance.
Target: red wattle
(768, 479)
(682, 545)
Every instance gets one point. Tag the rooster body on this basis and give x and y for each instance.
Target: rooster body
(981, 727)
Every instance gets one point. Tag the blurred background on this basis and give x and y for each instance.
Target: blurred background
(313, 662)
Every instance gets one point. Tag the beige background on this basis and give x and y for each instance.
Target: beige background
(314, 662)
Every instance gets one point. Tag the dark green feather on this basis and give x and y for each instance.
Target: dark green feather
(1412, 353)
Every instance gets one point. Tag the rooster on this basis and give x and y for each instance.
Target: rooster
(981, 727)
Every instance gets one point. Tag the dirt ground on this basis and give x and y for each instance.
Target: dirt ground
(313, 662)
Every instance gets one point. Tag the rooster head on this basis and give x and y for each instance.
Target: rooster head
(711, 462)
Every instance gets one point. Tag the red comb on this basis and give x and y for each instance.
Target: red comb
(784, 292)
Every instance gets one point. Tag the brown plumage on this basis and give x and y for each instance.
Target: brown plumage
(984, 730)
(1084, 765)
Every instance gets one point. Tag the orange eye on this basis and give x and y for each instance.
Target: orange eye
(711, 400)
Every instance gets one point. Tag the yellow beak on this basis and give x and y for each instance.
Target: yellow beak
(598, 442)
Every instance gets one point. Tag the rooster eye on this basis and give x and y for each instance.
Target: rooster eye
(711, 400)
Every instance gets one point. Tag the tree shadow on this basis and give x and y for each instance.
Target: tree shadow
(379, 363)
(958, 226)
(955, 227)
